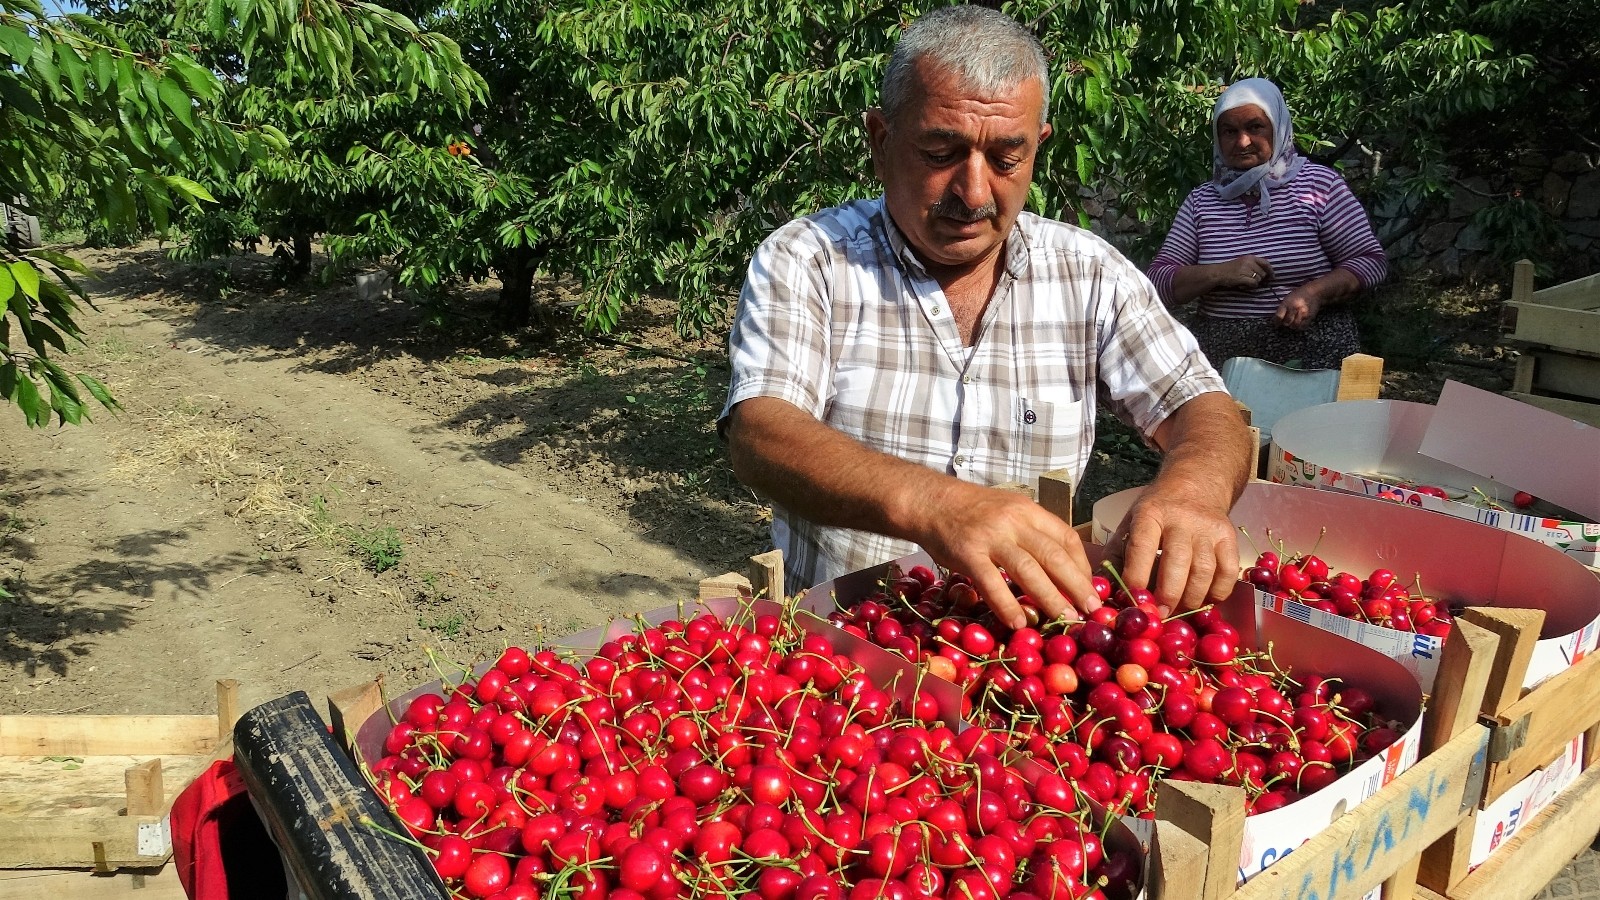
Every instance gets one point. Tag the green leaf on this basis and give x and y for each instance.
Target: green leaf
(16, 43)
(192, 191)
(26, 396)
(99, 391)
(8, 286)
(202, 84)
(27, 277)
(71, 264)
(173, 96)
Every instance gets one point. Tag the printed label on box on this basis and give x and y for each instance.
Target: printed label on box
(1419, 653)
(1499, 821)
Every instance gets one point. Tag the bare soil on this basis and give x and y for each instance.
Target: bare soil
(306, 490)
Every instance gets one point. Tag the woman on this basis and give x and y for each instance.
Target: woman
(1274, 246)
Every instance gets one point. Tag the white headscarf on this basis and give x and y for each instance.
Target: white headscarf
(1285, 162)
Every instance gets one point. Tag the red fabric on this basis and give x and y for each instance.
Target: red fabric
(219, 846)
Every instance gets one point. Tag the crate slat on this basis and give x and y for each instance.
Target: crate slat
(1540, 849)
(108, 735)
(1587, 413)
(1547, 719)
(1554, 326)
(1380, 837)
(1581, 293)
(147, 884)
(102, 842)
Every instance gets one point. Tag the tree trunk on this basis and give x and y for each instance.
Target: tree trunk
(516, 268)
(302, 255)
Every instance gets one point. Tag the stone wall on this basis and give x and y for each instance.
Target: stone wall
(1567, 187)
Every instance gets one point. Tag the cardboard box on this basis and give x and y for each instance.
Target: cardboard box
(1499, 822)
(1370, 447)
(1456, 559)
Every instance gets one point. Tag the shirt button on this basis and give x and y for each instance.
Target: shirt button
(961, 460)
(966, 379)
(936, 310)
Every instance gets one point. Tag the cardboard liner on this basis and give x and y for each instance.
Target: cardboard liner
(884, 668)
(1296, 646)
(1368, 446)
(1456, 559)
(1496, 824)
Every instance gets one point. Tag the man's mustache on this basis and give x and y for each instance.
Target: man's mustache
(951, 208)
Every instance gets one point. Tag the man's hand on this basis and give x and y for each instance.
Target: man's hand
(979, 531)
(1199, 555)
(1183, 514)
(1299, 309)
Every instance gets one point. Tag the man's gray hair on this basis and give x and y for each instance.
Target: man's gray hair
(986, 49)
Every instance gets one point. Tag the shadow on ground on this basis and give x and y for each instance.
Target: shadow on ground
(625, 421)
(52, 619)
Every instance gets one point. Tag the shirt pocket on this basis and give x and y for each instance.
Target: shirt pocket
(1047, 433)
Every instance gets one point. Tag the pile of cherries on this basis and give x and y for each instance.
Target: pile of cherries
(720, 758)
(1378, 599)
(1125, 698)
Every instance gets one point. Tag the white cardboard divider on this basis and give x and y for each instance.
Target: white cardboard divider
(1296, 646)
(1553, 457)
(1369, 446)
(1456, 559)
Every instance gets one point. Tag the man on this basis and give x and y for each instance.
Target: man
(892, 357)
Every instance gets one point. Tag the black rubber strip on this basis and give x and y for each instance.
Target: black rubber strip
(313, 799)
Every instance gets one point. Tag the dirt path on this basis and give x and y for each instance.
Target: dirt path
(231, 521)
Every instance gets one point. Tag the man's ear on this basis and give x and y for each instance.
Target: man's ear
(1045, 132)
(877, 137)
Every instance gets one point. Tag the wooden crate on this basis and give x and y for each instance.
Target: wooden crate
(1557, 330)
(131, 884)
(1482, 733)
(93, 791)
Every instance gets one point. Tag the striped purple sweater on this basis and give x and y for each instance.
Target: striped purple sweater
(1316, 225)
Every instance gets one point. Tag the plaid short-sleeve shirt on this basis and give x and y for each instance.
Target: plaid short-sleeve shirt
(838, 317)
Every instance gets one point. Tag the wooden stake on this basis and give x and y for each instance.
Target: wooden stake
(1177, 863)
(1213, 815)
(1360, 377)
(1518, 631)
(227, 708)
(1463, 679)
(349, 708)
(1055, 493)
(145, 794)
(766, 575)
(1522, 281)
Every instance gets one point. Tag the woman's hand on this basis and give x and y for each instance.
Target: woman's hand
(1299, 309)
(1244, 273)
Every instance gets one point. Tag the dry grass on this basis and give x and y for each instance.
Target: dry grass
(181, 439)
(286, 506)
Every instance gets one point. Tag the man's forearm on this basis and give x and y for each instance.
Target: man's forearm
(1206, 451)
(827, 477)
